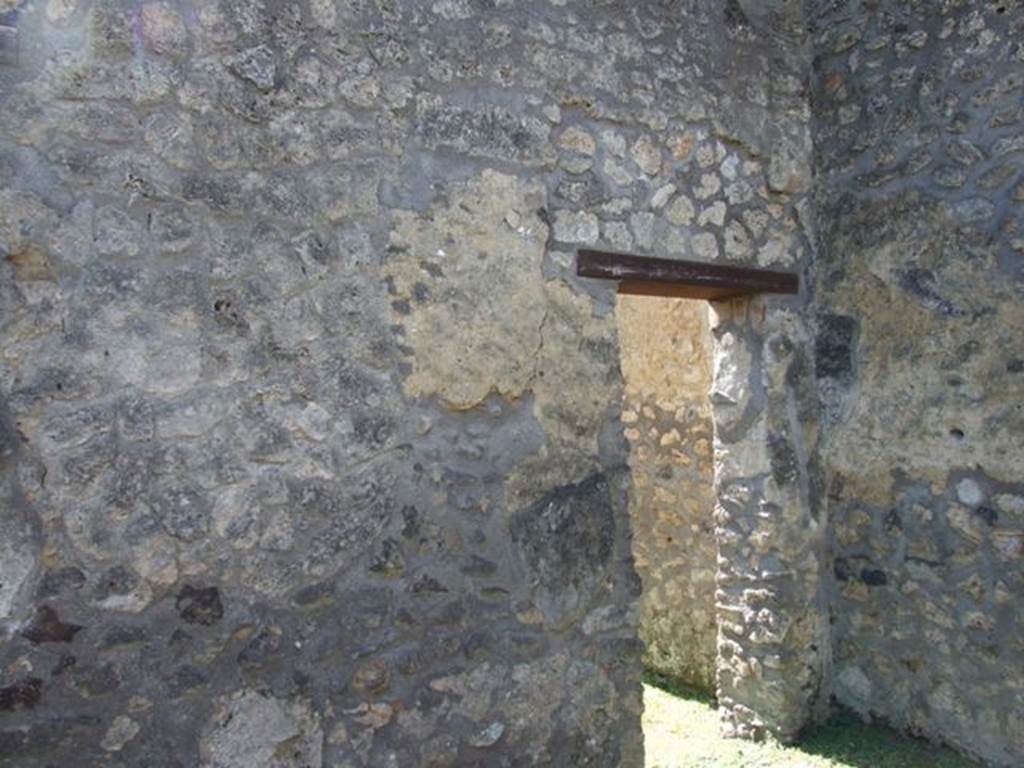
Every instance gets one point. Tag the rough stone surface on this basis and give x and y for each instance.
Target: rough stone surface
(921, 319)
(438, 284)
(770, 524)
(253, 729)
(310, 438)
(306, 418)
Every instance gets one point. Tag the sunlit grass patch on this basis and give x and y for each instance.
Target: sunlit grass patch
(681, 731)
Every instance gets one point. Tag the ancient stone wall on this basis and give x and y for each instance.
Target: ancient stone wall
(771, 522)
(310, 447)
(920, 360)
(742, 198)
(666, 364)
(771, 525)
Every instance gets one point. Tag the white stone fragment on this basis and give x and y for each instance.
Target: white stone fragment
(737, 241)
(324, 13)
(710, 184)
(311, 421)
(662, 195)
(969, 492)
(705, 246)
(576, 227)
(732, 371)
(60, 10)
(17, 562)
(489, 736)
(642, 225)
(576, 139)
(616, 206)
(681, 211)
(713, 214)
(730, 167)
(121, 731)
(705, 155)
(614, 143)
(249, 729)
(647, 155)
(1010, 504)
(616, 234)
(618, 172)
(452, 9)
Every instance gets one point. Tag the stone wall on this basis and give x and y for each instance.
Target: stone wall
(771, 522)
(309, 438)
(666, 364)
(771, 525)
(920, 340)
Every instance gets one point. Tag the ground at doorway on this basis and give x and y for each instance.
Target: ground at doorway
(681, 731)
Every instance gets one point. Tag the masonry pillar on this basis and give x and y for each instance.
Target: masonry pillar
(770, 525)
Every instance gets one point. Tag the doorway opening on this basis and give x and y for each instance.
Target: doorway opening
(667, 417)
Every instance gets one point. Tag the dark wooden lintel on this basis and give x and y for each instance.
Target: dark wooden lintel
(649, 276)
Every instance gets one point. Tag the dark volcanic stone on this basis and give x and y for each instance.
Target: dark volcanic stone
(989, 515)
(46, 627)
(388, 561)
(183, 513)
(566, 541)
(66, 662)
(841, 569)
(314, 594)
(184, 679)
(199, 605)
(873, 577)
(61, 580)
(491, 131)
(24, 694)
(116, 581)
(923, 285)
(479, 566)
(784, 461)
(97, 681)
(833, 348)
(264, 645)
(123, 635)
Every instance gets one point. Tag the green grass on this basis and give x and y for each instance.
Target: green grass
(681, 731)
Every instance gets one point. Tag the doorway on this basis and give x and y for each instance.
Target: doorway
(667, 418)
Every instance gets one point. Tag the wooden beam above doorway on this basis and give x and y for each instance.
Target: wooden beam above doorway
(649, 276)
